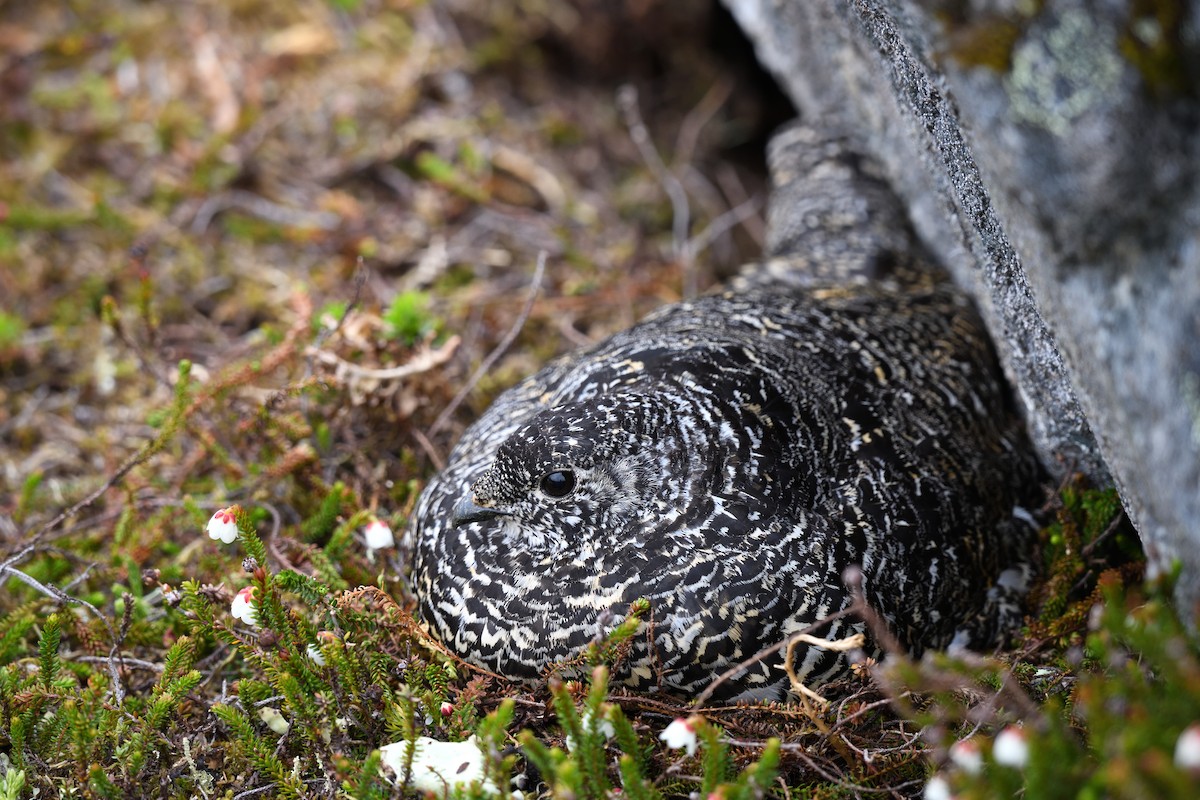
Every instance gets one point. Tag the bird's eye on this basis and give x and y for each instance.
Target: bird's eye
(559, 483)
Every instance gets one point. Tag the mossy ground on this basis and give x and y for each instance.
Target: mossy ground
(277, 255)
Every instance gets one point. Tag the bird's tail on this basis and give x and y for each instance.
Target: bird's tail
(831, 219)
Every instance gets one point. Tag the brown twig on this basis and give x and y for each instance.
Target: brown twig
(439, 463)
(1090, 547)
(147, 450)
(735, 195)
(627, 101)
(718, 226)
(496, 353)
(60, 596)
(699, 117)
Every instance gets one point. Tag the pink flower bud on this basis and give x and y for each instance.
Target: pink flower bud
(681, 735)
(966, 756)
(378, 535)
(1187, 749)
(1011, 747)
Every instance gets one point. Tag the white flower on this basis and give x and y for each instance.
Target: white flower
(1011, 747)
(316, 655)
(378, 535)
(966, 756)
(275, 721)
(1187, 748)
(604, 726)
(223, 525)
(438, 766)
(937, 789)
(241, 607)
(585, 720)
(447, 708)
(681, 734)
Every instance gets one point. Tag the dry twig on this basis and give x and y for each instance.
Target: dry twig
(496, 353)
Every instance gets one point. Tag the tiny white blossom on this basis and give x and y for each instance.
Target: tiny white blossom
(316, 655)
(585, 720)
(275, 721)
(1187, 748)
(437, 766)
(966, 756)
(605, 726)
(241, 607)
(223, 525)
(378, 535)
(1011, 747)
(937, 789)
(681, 734)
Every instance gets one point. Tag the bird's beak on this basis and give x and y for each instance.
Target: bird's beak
(467, 511)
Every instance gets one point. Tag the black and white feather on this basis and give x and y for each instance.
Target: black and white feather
(728, 458)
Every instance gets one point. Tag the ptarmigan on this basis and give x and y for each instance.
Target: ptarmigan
(729, 457)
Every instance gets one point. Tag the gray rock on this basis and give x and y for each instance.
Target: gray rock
(1056, 176)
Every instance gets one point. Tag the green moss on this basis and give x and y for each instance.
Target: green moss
(252, 229)
(456, 277)
(12, 328)
(433, 168)
(34, 218)
(8, 242)
(409, 319)
(1151, 41)
(986, 42)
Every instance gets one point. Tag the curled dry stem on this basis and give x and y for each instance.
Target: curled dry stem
(844, 645)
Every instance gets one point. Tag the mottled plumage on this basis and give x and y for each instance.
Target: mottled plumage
(727, 458)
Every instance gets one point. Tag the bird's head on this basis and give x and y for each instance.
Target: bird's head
(594, 467)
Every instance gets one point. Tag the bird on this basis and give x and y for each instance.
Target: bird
(836, 404)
